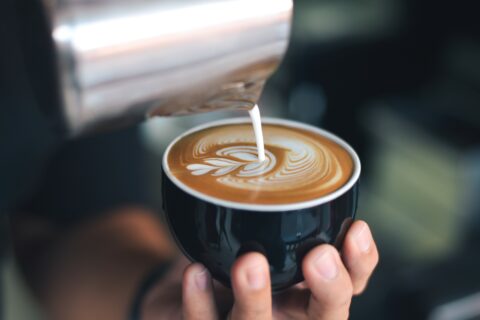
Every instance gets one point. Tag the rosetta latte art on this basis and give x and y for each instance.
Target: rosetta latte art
(298, 165)
(245, 158)
(245, 172)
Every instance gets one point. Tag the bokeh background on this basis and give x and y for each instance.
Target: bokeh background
(400, 81)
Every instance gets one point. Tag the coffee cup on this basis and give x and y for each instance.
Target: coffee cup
(220, 203)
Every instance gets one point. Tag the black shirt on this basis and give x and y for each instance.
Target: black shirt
(44, 174)
(41, 170)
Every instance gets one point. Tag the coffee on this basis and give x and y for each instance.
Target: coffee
(221, 202)
(221, 162)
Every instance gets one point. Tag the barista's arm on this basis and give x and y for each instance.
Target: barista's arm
(94, 270)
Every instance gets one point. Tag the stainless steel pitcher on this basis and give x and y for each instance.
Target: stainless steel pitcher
(121, 61)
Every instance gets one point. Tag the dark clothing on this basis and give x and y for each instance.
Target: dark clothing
(39, 170)
(25, 137)
(91, 175)
(44, 174)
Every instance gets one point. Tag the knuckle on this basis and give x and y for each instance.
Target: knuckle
(344, 302)
(341, 298)
(346, 294)
(366, 266)
(339, 303)
(251, 311)
(260, 311)
(348, 291)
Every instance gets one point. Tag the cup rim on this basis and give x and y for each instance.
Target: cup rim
(266, 207)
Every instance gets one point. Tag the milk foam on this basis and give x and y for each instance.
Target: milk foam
(304, 160)
(222, 162)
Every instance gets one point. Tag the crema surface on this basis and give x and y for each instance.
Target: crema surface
(222, 162)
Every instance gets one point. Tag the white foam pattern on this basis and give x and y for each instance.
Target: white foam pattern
(303, 161)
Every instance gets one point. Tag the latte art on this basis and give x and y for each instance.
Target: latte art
(222, 162)
(245, 158)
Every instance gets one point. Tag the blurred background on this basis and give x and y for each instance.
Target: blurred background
(400, 81)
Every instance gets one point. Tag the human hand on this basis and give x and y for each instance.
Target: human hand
(331, 280)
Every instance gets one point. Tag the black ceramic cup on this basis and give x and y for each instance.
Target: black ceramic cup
(215, 232)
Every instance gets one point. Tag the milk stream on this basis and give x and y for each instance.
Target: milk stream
(257, 129)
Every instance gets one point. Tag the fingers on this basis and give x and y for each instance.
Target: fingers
(360, 255)
(251, 288)
(329, 283)
(197, 294)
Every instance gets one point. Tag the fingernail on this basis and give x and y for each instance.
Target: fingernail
(363, 239)
(201, 279)
(326, 266)
(256, 277)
